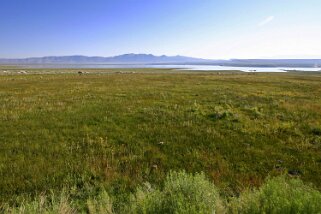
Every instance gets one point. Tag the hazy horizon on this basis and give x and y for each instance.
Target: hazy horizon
(75, 55)
(215, 29)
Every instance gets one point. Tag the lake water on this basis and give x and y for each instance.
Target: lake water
(176, 67)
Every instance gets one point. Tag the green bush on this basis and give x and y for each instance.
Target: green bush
(186, 193)
(279, 195)
(182, 193)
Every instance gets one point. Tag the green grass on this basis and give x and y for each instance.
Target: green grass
(184, 193)
(116, 131)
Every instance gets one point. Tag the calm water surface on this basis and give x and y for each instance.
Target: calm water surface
(177, 67)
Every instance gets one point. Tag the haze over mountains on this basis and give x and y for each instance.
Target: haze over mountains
(121, 59)
(152, 59)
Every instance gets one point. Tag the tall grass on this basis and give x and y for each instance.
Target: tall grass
(101, 204)
(53, 204)
(184, 193)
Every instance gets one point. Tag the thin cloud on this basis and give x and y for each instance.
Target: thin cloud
(266, 21)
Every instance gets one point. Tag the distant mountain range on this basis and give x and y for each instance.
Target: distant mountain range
(121, 59)
(152, 59)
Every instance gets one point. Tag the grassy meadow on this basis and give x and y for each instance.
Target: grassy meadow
(115, 130)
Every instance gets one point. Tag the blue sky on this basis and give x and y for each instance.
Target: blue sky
(217, 29)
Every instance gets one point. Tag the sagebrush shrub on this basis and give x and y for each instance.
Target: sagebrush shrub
(279, 195)
(182, 193)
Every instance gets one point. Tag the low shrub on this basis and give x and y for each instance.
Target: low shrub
(182, 193)
(220, 113)
(279, 195)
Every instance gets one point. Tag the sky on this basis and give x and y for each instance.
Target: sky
(212, 29)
